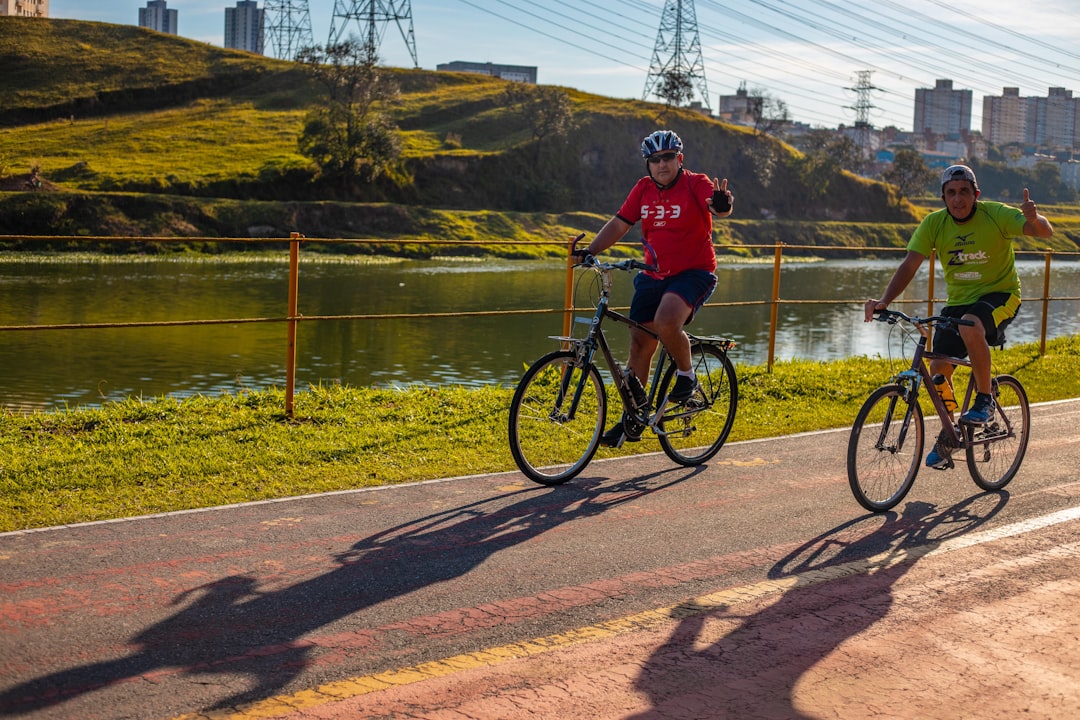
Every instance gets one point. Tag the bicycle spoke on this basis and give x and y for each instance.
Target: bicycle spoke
(694, 431)
(885, 449)
(995, 450)
(556, 418)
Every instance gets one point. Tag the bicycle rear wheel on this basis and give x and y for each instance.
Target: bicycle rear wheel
(885, 449)
(995, 450)
(694, 431)
(552, 437)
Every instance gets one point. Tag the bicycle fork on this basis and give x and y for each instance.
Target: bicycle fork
(909, 395)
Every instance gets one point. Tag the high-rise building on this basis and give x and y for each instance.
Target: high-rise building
(244, 26)
(1052, 121)
(25, 8)
(941, 110)
(1056, 118)
(1004, 117)
(158, 17)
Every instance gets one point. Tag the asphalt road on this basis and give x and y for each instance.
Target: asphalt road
(754, 586)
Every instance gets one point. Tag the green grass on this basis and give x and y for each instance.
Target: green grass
(138, 457)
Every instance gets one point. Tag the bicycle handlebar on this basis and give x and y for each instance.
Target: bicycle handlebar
(594, 262)
(893, 316)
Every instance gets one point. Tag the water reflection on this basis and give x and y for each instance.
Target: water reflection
(56, 368)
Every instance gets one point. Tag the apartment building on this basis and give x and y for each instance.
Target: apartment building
(942, 110)
(244, 27)
(1052, 121)
(157, 16)
(25, 8)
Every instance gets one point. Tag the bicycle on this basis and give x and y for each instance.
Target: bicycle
(885, 449)
(559, 410)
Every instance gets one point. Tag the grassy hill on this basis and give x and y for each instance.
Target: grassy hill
(140, 133)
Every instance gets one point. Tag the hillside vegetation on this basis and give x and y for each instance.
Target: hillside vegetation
(140, 133)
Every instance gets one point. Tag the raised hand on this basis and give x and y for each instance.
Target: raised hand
(721, 199)
(1031, 212)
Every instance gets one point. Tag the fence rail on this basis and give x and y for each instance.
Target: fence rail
(293, 317)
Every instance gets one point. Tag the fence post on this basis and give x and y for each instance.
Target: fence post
(290, 357)
(930, 299)
(568, 297)
(1045, 303)
(774, 313)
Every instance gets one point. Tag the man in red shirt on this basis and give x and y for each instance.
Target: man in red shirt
(675, 207)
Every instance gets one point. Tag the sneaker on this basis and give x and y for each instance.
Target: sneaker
(980, 412)
(614, 437)
(617, 435)
(684, 388)
(939, 460)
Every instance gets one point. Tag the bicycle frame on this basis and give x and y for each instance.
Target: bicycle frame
(586, 348)
(919, 374)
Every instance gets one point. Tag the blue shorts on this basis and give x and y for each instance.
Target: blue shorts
(693, 286)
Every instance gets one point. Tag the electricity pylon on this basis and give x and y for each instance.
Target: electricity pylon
(677, 69)
(288, 23)
(372, 17)
(862, 107)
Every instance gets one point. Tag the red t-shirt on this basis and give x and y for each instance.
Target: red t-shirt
(676, 225)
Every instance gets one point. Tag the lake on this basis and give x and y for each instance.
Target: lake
(45, 370)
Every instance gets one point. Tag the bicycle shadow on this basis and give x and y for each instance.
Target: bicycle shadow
(751, 671)
(230, 627)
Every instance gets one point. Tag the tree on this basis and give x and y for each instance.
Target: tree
(908, 173)
(675, 88)
(834, 149)
(547, 110)
(770, 114)
(350, 137)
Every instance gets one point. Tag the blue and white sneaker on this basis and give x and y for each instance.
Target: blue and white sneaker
(980, 412)
(939, 460)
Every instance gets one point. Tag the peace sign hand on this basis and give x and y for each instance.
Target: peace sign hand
(721, 199)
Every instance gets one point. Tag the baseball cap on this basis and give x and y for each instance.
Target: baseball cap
(958, 172)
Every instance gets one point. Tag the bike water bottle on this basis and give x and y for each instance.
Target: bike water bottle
(640, 398)
(945, 390)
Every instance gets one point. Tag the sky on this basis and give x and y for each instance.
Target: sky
(808, 54)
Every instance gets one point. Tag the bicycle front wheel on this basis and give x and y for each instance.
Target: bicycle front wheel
(694, 431)
(885, 449)
(556, 418)
(995, 450)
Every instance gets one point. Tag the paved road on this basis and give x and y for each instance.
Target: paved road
(754, 587)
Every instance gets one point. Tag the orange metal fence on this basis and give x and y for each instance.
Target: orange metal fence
(293, 317)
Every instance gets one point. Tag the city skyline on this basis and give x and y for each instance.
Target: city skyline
(805, 53)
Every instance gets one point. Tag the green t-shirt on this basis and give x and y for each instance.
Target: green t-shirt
(977, 256)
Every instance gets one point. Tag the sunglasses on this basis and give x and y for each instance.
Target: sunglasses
(665, 157)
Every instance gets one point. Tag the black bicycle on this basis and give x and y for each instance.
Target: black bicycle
(885, 449)
(559, 410)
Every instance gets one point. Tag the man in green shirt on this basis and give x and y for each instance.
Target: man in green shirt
(973, 238)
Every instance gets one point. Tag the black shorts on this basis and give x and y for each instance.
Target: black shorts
(693, 286)
(995, 310)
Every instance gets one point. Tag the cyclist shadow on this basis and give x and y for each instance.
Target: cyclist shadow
(232, 627)
(752, 667)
